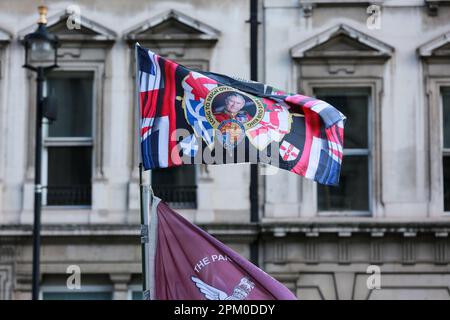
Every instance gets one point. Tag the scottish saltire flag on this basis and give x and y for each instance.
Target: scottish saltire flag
(190, 116)
(186, 263)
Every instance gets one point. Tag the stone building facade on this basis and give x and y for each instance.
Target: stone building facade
(384, 63)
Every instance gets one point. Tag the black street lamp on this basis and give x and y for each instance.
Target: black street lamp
(40, 56)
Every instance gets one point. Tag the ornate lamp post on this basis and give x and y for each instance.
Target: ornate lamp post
(40, 56)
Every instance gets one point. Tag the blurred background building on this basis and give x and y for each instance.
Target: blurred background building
(385, 64)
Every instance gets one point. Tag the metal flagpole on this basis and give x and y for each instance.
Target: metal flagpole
(146, 199)
(145, 193)
(142, 213)
(254, 200)
(152, 222)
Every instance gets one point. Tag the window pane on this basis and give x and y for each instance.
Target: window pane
(69, 175)
(353, 103)
(136, 295)
(76, 295)
(176, 185)
(446, 116)
(70, 93)
(352, 192)
(446, 165)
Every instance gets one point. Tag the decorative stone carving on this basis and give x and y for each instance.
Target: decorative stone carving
(433, 6)
(88, 31)
(171, 33)
(408, 251)
(5, 281)
(344, 42)
(437, 47)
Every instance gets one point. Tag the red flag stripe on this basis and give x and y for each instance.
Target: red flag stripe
(168, 108)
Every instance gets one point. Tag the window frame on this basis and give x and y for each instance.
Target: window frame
(355, 152)
(435, 85)
(133, 288)
(70, 141)
(84, 288)
(4, 68)
(5, 39)
(77, 52)
(309, 189)
(444, 151)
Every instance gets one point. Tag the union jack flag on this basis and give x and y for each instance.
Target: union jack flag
(308, 133)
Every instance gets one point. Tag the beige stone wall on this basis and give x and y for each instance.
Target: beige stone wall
(318, 257)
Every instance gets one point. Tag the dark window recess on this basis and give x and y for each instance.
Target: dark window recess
(70, 94)
(446, 145)
(69, 142)
(354, 105)
(446, 164)
(176, 186)
(136, 295)
(352, 194)
(69, 175)
(77, 295)
(446, 117)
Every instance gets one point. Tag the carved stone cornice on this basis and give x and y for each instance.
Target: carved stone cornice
(342, 42)
(172, 30)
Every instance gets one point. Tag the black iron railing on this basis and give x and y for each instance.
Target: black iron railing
(179, 197)
(68, 195)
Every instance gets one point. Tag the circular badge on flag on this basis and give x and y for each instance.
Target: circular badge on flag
(225, 103)
(230, 133)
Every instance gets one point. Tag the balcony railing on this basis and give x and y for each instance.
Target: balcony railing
(178, 197)
(68, 195)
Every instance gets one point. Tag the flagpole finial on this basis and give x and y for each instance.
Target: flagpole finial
(42, 14)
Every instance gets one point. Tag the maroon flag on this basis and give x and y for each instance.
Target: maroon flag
(186, 263)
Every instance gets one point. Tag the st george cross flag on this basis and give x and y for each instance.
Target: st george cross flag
(192, 117)
(186, 263)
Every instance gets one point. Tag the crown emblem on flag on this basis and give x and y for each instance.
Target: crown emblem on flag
(243, 289)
